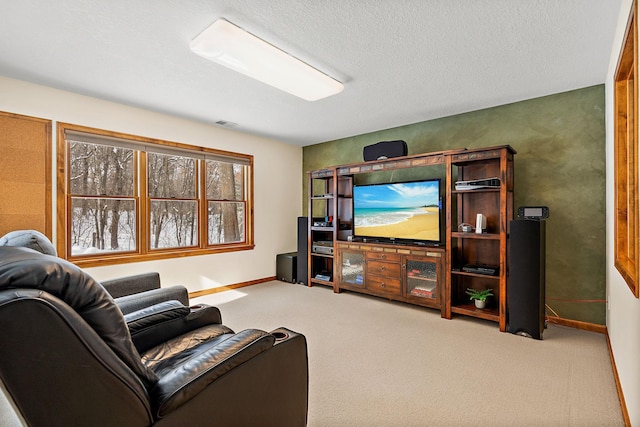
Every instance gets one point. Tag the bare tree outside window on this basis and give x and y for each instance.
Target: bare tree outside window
(173, 204)
(124, 198)
(226, 208)
(102, 206)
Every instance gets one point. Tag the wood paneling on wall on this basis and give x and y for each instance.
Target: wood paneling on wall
(25, 173)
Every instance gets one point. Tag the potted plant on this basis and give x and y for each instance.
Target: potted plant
(479, 297)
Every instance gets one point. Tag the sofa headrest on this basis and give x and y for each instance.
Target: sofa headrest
(31, 239)
(26, 268)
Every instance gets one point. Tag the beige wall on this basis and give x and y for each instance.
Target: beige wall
(623, 309)
(277, 191)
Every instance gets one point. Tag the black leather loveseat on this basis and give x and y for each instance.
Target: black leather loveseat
(68, 357)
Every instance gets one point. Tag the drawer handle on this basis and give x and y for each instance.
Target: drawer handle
(383, 256)
(382, 285)
(383, 268)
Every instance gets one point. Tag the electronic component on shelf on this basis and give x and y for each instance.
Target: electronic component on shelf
(324, 247)
(481, 223)
(326, 221)
(533, 212)
(480, 269)
(324, 277)
(322, 224)
(465, 227)
(478, 183)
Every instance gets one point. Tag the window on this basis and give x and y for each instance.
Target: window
(124, 198)
(626, 220)
(225, 206)
(173, 201)
(103, 203)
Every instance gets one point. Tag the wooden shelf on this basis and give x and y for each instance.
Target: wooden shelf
(485, 236)
(424, 279)
(315, 228)
(465, 273)
(427, 159)
(479, 190)
(321, 255)
(421, 297)
(322, 282)
(471, 310)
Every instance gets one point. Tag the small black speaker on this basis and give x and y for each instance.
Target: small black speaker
(384, 150)
(286, 267)
(301, 275)
(526, 281)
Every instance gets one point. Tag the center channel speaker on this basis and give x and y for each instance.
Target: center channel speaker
(526, 282)
(384, 150)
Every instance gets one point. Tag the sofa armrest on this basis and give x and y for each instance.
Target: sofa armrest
(188, 379)
(152, 316)
(131, 303)
(132, 284)
(158, 323)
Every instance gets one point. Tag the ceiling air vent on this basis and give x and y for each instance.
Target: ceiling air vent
(226, 123)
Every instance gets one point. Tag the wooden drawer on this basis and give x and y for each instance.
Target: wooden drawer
(383, 256)
(381, 284)
(381, 268)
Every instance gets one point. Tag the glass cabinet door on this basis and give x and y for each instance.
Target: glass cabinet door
(352, 268)
(422, 278)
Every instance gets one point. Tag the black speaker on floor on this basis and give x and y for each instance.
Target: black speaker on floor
(302, 250)
(526, 282)
(286, 267)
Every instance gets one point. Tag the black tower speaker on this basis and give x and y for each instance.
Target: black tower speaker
(526, 282)
(302, 250)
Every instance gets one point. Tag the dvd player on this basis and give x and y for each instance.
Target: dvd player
(322, 224)
(480, 269)
(477, 184)
(322, 247)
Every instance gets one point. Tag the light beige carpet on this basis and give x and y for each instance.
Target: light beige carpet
(373, 362)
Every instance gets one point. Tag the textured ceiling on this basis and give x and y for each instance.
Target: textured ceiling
(402, 61)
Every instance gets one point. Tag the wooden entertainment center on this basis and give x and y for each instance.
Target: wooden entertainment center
(434, 276)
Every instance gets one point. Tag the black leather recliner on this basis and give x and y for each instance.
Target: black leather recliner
(68, 357)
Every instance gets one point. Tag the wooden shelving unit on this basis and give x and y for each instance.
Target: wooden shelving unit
(330, 211)
(488, 248)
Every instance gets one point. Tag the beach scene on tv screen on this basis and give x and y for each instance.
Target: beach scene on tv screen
(408, 210)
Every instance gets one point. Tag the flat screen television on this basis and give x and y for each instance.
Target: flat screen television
(401, 211)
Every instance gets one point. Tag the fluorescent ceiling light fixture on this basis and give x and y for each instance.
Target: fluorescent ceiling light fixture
(231, 46)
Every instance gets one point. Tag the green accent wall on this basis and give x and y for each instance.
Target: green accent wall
(560, 163)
